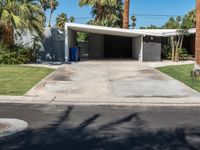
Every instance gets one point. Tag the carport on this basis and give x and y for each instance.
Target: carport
(107, 42)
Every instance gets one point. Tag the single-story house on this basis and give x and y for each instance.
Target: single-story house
(107, 42)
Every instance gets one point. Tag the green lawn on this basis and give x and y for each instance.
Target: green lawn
(182, 73)
(17, 80)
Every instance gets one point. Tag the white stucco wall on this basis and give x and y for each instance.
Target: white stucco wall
(70, 41)
(137, 48)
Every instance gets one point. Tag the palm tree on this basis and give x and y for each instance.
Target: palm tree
(19, 15)
(105, 12)
(53, 5)
(71, 19)
(197, 51)
(60, 21)
(97, 5)
(133, 19)
(45, 4)
(126, 14)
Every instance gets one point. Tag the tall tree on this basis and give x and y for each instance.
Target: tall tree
(97, 7)
(53, 5)
(105, 12)
(21, 15)
(197, 51)
(189, 20)
(133, 19)
(177, 40)
(71, 19)
(126, 14)
(61, 19)
(45, 4)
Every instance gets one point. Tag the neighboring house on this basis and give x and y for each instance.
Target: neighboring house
(107, 42)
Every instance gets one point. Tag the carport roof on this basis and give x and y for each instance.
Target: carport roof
(123, 32)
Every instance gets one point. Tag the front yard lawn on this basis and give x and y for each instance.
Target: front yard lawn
(17, 80)
(182, 73)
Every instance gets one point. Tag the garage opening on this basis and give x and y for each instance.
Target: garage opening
(117, 47)
(109, 46)
(100, 46)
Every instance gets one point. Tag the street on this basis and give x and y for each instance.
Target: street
(103, 128)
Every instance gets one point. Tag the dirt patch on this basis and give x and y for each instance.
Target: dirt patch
(147, 71)
(61, 74)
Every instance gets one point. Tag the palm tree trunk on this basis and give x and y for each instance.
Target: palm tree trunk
(197, 51)
(126, 14)
(50, 17)
(99, 12)
(8, 35)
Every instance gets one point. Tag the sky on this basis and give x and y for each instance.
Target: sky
(142, 9)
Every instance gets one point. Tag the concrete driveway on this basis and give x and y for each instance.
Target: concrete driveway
(110, 80)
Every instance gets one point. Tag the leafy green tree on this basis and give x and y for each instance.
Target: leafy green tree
(82, 36)
(173, 23)
(20, 15)
(53, 5)
(177, 41)
(189, 20)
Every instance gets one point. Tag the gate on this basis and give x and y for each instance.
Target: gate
(84, 53)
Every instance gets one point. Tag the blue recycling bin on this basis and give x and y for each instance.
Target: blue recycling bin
(74, 54)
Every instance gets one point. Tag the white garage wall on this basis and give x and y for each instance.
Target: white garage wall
(70, 41)
(137, 47)
(96, 46)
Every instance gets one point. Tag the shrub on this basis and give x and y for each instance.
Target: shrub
(183, 54)
(167, 53)
(14, 54)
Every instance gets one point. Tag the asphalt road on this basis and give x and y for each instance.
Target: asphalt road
(103, 128)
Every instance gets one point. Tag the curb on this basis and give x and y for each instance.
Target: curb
(182, 102)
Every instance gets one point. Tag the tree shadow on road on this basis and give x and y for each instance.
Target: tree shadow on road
(115, 135)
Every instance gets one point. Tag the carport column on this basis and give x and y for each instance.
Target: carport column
(141, 50)
(66, 43)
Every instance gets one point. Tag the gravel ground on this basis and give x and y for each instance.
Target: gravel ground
(168, 63)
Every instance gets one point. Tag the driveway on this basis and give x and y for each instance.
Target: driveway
(110, 80)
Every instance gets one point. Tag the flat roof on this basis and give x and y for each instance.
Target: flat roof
(123, 32)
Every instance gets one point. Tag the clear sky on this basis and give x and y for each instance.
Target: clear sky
(155, 7)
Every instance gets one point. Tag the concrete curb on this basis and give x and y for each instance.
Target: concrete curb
(102, 101)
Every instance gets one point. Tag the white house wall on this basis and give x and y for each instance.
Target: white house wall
(70, 41)
(137, 48)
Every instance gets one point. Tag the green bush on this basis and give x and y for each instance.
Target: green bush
(167, 53)
(183, 54)
(14, 54)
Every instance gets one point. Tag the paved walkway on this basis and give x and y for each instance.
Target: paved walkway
(103, 82)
